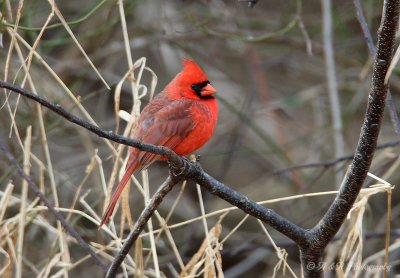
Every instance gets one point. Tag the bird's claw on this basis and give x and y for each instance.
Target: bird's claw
(178, 171)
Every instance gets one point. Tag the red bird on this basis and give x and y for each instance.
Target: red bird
(182, 117)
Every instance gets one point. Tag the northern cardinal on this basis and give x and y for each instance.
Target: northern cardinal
(182, 117)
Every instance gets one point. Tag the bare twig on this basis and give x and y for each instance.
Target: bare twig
(235, 198)
(331, 162)
(388, 219)
(372, 50)
(59, 217)
(326, 229)
(182, 169)
(394, 117)
(173, 157)
(141, 222)
(252, 246)
(311, 242)
(364, 27)
(332, 84)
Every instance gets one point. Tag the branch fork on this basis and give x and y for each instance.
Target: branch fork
(311, 242)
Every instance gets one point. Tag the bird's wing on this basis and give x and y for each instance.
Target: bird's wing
(166, 127)
(171, 125)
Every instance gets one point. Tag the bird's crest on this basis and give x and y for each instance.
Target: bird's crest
(192, 72)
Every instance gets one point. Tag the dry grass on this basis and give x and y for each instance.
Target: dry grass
(273, 115)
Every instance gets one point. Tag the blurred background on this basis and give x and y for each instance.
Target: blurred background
(276, 91)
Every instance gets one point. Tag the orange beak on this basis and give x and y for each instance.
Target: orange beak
(208, 90)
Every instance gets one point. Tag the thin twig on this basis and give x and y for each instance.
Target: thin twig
(331, 162)
(364, 27)
(387, 238)
(331, 222)
(252, 246)
(332, 84)
(173, 157)
(183, 169)
(311, 242)
(239, 200)
(372, 50)
(59, 217)
(141, 223)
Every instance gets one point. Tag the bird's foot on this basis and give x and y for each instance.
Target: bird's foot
(177, 171)
(184, 169)
(194, 158)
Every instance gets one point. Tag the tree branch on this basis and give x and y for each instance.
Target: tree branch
(181, 169)
(141, 222)
(329, 163)
(371, 126)
(193, 171)
(51, 208)
(329, 225)
(311, 242)
(173, 157)
(372, 50)
(268, 216)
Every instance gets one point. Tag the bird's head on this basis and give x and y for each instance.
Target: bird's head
(192, 82)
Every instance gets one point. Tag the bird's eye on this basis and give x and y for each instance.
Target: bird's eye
(197, 88)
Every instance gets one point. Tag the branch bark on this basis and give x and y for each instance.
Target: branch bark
(372, 50)
(51, 208)
(325, 230)
(370, 129)
(181, 169)
(141, 223)
(332, 162)
(313, 242)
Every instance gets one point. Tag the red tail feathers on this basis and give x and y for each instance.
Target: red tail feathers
(110, 208)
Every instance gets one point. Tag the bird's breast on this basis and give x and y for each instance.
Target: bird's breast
(204, 116)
